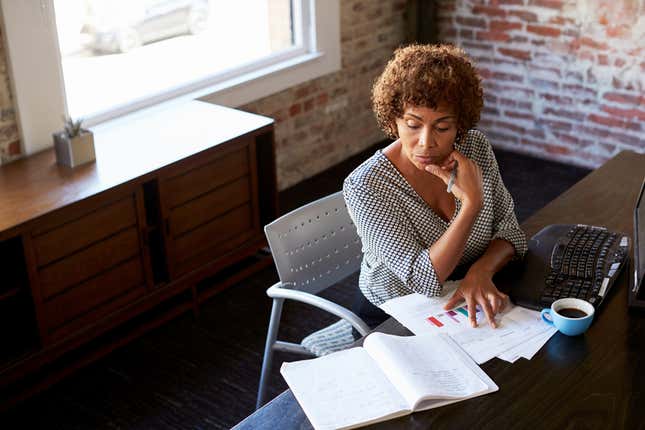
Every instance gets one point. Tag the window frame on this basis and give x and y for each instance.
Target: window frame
(35, 68)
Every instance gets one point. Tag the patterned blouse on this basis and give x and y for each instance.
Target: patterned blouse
(397, 227)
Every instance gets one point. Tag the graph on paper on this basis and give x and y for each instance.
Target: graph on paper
(456, 318)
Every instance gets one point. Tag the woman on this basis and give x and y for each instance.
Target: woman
(414, 231)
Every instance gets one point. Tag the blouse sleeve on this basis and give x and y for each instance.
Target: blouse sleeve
(387, 234)
(505, 225)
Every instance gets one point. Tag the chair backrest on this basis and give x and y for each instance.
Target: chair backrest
(316, 245)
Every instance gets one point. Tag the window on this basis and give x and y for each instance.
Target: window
(98, 59)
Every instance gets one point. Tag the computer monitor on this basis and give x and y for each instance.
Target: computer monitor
(637, 293)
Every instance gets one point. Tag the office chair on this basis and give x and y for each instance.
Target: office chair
(313, 247)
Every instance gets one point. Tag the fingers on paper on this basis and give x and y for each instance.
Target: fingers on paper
(472, 311)
(490, 315)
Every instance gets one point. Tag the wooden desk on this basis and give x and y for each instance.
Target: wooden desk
(595, 381)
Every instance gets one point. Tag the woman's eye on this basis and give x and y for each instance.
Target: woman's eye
(412, 125)
(442, 130)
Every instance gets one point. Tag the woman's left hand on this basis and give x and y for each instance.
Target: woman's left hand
(477, 288)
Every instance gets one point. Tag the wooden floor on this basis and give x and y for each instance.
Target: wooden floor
(203, 373)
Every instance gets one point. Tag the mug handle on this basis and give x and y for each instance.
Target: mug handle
(547, 319)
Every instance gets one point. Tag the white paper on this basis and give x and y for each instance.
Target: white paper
(423, 315)
(421, 366)
(343, 389)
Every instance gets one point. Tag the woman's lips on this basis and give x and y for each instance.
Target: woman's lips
(426, 159)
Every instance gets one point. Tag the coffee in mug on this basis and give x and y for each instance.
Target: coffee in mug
(570, 316)
(572, 313)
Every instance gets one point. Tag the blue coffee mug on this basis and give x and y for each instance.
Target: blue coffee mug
(570, 316)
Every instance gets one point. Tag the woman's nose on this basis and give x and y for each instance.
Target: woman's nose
(425, 139)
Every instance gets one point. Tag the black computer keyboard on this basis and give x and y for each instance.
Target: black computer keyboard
(584, 264)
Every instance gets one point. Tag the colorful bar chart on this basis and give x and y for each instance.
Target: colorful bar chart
(455, 317)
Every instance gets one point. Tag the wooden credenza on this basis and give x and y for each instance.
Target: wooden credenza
(170, 213)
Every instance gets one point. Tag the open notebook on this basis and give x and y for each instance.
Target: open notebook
(390, 376)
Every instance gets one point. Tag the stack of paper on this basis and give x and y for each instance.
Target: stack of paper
(520, 332)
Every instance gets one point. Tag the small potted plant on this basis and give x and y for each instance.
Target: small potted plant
(74, 145)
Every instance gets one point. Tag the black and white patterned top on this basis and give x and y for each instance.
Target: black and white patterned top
(397, 227)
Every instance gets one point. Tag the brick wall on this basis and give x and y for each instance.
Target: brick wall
(322, 122)
(564, 79)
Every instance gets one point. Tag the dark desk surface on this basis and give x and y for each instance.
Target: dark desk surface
(595, 381)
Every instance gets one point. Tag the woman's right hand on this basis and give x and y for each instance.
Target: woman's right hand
(468, 185)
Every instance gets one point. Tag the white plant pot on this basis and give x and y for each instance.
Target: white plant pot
(74, 151)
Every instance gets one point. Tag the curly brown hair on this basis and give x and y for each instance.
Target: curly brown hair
(428, 75)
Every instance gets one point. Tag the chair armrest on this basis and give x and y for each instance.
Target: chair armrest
(276, 291)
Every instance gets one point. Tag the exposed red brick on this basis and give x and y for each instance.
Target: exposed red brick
(510, 126)
(485, 73)
(579, 90)
(14, 148)
(550, 148)
(567, 138)
(490, 111)
(489, 11)
(556, 98)
(493, 35)
(521, 115)
(536, 132)
(322, 99)
(466, 34)
(518, 39)
(557, 125)
(304, 91)
(553, 4)
(508, 77)
(471, 22)
(308, 104)
(555, 149)
(516, 53)
(508, 102)
(497, 136)
(295, 109)
(373, 14)
(560, 20)
(524, 15)
(510, 2)
(545, 84)
(498, 25)
(626, 113)
(474, 45)
(608, 121)
(588, 41)
(592, 131)
(563, 113)
(625, 98)
(489, 98)
(543, 30)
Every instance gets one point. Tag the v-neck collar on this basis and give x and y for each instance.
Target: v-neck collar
(404, 182)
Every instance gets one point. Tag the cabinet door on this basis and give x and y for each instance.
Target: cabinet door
(89, 262)
(210, 205)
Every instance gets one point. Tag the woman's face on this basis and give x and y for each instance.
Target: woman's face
(427, 135)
